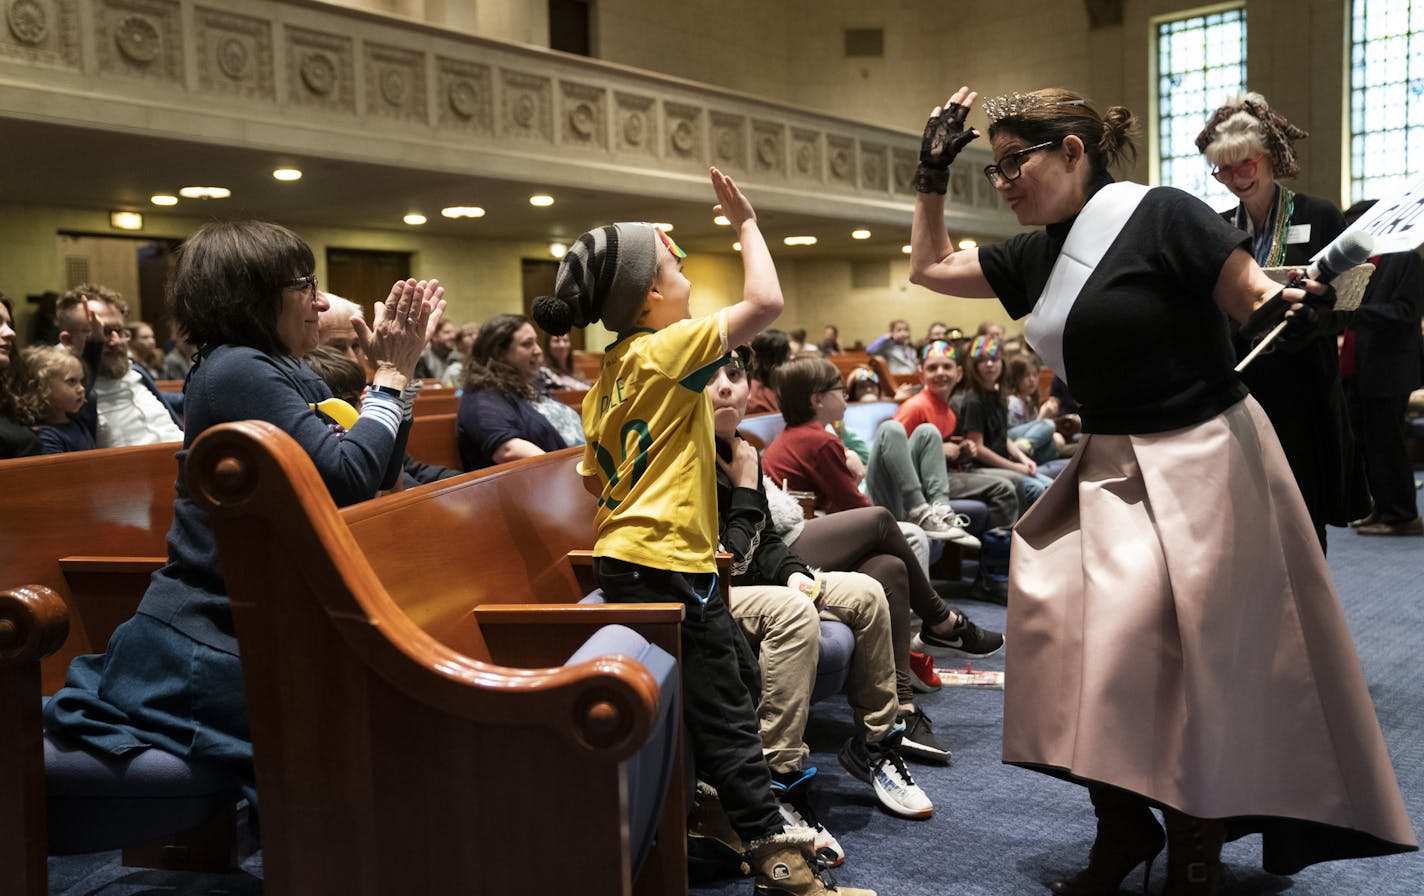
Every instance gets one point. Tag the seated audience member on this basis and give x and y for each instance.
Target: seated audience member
(16, 414)
(778, 602)
(796, 343)
(896, 349)
(770, 350)
(503, 416)
(991, 330)
(131, 409)
(179, 360)
(558, 371)
(63, 398)
(465, 345)
(936, 333)
(984, 420)
(867, 540)
(830, 341)
(171, 677)
(1029, 425)
(439, 354)
(347, 381)
(72, 314)
(862, 384)
(808, 457)
(144, 350)
(336, 327)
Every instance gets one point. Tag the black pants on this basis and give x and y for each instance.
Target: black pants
(1379, 426)
(721, 685)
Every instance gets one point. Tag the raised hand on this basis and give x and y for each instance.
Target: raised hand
(730, 201)
(945, 135)
(403, 324)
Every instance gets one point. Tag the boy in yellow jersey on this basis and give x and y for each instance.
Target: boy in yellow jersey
(651, 461)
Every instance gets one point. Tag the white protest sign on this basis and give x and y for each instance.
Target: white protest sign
(1396, 222)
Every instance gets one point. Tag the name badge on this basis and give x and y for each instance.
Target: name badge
(1298, 233)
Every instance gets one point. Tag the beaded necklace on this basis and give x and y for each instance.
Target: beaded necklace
(1269, 244)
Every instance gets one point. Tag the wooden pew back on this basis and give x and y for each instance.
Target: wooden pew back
(433, 441)
(114, 502)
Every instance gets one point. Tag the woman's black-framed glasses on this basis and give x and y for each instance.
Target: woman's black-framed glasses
(302, 283)
(1011, 166)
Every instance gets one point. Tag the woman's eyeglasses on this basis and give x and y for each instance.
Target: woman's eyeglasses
(1246, 168)
(1011, 166)
(303, 283)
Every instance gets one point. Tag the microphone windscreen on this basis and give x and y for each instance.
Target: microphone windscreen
(1351, 248)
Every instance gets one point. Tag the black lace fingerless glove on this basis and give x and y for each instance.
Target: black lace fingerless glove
(1303, 324)
(945, 135)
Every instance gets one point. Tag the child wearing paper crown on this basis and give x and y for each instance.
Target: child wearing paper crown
(650, 460)
(984, 420)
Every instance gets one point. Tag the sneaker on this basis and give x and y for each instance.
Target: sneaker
(925, 679)
(930, 518)
(918, 741)
(881, 766)
(1409, 527)
(793, 792)
(965, 639)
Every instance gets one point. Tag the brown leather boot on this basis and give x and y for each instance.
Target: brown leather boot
(1128, 835)
(1193, 855)
(785, 865)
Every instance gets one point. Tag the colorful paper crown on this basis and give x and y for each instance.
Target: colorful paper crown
(984, 347)
(939, 348)
(862, 375)
(672, 247)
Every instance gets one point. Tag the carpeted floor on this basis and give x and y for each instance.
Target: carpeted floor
(1001, 830)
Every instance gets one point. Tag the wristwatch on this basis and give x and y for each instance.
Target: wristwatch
(394, 393)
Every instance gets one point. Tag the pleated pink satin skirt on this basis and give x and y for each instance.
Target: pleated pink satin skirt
(1173, 631)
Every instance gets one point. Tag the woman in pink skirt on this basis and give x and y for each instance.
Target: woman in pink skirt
(1176, 640)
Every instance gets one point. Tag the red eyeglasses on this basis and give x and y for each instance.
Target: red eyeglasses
(1240, 169)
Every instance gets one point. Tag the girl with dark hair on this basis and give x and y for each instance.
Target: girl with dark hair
(16, 414)
(171, 677)
(770, 350)
(984, 420)
(558, 371)
(504, 415)
(1168, 598)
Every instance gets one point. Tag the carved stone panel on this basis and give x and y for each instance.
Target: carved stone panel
(321, 70)
(840, 160)
(769, 148)
(45, 31)
(729, 140)
(528, 107)
(805, 154)
(585, 114)
(140, 38)
(874, 163)
(465, 96)
(234, 54)
(635, 124)
(684, 131)
(961, 189)
(395, 82)
(902, 172)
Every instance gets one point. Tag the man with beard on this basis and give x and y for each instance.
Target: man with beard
(131, 409)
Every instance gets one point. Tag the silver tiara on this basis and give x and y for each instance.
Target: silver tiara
(1012, 104)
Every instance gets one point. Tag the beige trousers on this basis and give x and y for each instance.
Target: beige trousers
(784, 629)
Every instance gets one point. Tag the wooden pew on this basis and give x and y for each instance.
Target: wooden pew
(588, 364)
(436, 401)
(90, 526)
(418, 776)
(433, 441)
(847, 361)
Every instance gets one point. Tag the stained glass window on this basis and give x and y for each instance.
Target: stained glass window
(1386, 95)
(1201, 63)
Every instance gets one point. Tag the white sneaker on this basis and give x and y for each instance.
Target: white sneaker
(797, 812)
(881, 766)
(931, 518)
(957, 522)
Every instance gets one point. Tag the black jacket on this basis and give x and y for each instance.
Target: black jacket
(1388, 345)
(759, 556)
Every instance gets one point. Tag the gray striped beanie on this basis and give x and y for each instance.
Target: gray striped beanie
(604, 277)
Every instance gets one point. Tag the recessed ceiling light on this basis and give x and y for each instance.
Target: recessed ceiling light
(541, 200)
(126, 220)
(414, 219)
(861, 234)
(800, 241)
(737, 247)
(287, 174)
(722, 221)
(664, 227)
(205, 192)
(463, 211)
(163, 199)
(968, 244)
(558, 250)
(905, 249)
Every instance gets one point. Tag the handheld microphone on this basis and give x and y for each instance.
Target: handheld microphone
(1348, 250)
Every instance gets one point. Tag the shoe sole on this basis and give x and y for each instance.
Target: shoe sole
(911, 750)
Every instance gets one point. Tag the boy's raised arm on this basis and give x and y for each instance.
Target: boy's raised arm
(761, 294)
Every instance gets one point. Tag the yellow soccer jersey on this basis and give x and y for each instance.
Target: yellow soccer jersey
(648, 420)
